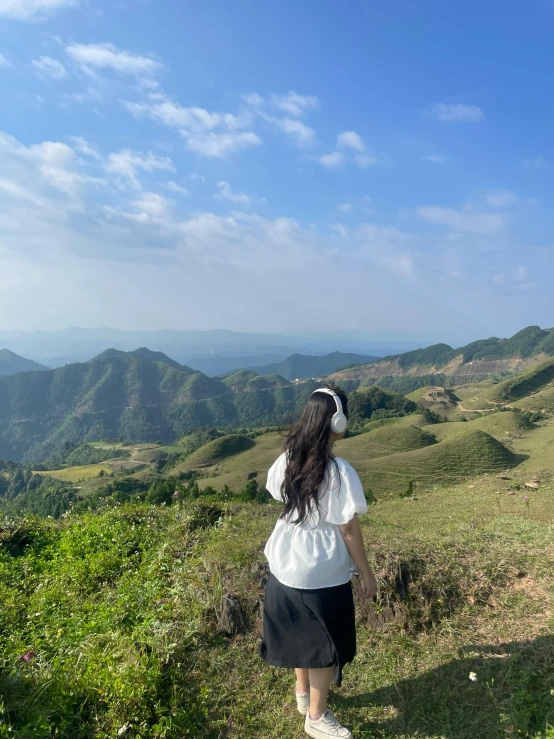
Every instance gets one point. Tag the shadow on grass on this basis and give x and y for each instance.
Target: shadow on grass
(511, 696)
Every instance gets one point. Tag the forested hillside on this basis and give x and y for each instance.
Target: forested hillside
(136, 396)
(475, 360)
(11, 363)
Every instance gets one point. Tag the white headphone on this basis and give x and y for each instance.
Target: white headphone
(339, 422)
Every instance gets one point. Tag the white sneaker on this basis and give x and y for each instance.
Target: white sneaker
(303, 703)
(326, 726)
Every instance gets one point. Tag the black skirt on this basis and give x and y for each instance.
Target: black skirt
(308, 628)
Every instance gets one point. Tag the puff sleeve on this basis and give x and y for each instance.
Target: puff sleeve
(275, 477)
(346, 494)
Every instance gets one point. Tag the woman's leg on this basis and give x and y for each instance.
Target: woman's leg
(320, 682)
(302, 680)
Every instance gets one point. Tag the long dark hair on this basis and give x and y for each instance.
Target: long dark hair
(308, 453)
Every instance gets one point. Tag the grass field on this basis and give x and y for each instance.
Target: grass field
(233, 471)
(382, 469)
(76, 474)
(384, 441)
(128, 646)
(499, 425)
(517, 388)
(216, 451)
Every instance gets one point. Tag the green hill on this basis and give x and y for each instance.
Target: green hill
(524, 383)
(11, 363)
(383, 442)
(463, 455)
(302, 366)
(543, 400)
(500, 425)
(253, 462)
(364, 403)
(218, 450)
(238, 380)
(478, 359)
(516, 388)
(133, 398)
(528, 342)
(161, 357)
(265, 382)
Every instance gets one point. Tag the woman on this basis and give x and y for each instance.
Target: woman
(312, 552)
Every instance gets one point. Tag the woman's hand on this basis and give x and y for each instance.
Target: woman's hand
(369, 584)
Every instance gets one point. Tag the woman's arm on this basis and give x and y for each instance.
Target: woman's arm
(354, 541)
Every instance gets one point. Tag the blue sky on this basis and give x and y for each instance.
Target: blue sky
(276, 165)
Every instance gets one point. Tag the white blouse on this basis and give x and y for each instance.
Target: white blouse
(313, 554)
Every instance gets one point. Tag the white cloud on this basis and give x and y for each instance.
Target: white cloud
(174, 187)
(163, 110)
(219, 145)
(457, 112)
(365, 160)
(485, 223)
(210, 134)
(350, 140)
(344, 207)
(126, 164)
(500, 199)
(253, 100)
(57, 251)
(435, 158)
(535, 163)
(83, 147)
(294, 104)
(50, 67)
(41, 172)
(334, 160)
(154, 205)
(32, 9)
(108, 56)
(498, 279)
(226, 193)
(4, 62)
(301, 134)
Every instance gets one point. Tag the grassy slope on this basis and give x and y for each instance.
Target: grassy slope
(234, 470)
(216, 451)
(516, 388)
(499, 425)
(461, 456)
(121, 638)
(382, 468)
(384, 441)
(74, 474)
(540, 401)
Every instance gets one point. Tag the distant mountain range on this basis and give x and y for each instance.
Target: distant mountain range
(11, 363)
(140, 395)
(145, 395)
(211, 352)
(483, 357)
(300, 366)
